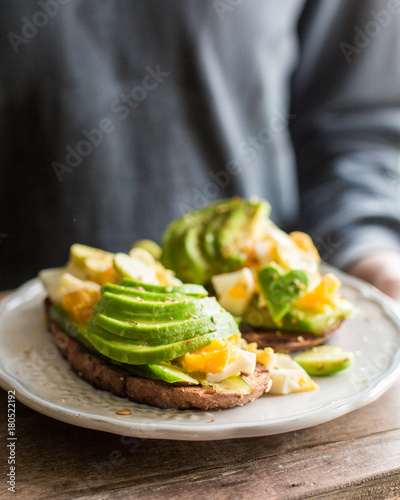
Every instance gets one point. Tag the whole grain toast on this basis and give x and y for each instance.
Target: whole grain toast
(108, 377)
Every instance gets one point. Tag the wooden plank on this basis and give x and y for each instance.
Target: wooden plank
(315, 470)
(73, 462)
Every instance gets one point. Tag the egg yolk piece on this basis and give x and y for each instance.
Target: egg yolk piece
(305, 243)
(324, 294)
(80, 303)
(210, 359)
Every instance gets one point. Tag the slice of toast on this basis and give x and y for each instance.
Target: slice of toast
(108, 377)
(285, 341)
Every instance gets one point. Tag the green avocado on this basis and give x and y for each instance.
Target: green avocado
(135, 353)
(324, 360)
(239, 222)
(187, 289)
(136, 323)
(161, 371)
(182, 251)
(281, 290)
(69, 325)
(134, 308)
(296, 320)
(165, 333)
(208, 241)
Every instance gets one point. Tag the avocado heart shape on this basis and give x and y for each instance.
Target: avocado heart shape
(281, 290)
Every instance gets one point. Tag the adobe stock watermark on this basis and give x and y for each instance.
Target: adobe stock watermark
(11, 442)
(115, 459)
(372, 29)
(222, 7)
(39, 20)
(121, 108)
(247, 150)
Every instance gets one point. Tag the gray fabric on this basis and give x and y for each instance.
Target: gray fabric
(230, 97)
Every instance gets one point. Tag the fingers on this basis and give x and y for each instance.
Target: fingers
(381, 269)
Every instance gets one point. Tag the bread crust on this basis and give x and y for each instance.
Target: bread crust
(285, 341)
(108, 377)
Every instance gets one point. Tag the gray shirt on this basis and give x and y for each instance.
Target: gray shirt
(117, 116)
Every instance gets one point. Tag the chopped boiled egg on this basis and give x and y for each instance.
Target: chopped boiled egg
(58, 282)
(78, 297)
(219, 360)
(234, 290)
(51, 280)
(288, 376)
(323, 292)
(290, 255)
(266, 357)
(80, 303)
(305, 243)
(142, 266)
(165, 276)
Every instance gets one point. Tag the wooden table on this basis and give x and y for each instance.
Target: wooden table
(355, 456)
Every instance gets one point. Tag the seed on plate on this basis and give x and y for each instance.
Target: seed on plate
(123, 411)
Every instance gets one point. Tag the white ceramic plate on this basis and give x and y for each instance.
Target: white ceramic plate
(31, 365)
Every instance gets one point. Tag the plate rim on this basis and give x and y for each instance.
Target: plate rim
(217, 431)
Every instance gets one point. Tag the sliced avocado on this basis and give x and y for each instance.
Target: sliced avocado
(161, 371)
(296, 320)
(324, 360)
(209, 241)
(181, 244)
(187, 289)
(281, 290)
(237, 226)
(232, 384)
(161, 333)
(133, 308)
(208, 236)
(125, 351)
(193, 258)
(142, 293)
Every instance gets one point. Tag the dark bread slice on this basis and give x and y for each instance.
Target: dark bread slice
(285, 341)
(108, 377)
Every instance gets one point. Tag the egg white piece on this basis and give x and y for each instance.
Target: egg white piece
(58, 283)
(225, 285)
(288, 376)
(244, 362)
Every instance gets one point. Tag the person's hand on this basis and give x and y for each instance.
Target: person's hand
(382, 269)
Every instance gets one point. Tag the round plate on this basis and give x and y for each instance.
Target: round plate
(31, 365)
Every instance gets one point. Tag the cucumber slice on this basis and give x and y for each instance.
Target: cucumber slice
(324, 360)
